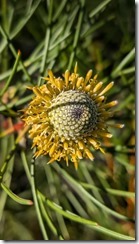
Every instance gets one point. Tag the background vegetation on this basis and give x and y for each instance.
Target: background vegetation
(97, 201)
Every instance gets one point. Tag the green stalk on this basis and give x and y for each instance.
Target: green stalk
(48, 219)
(87, 222)
(5, 164)
(45, 53)
(47, 39)
(5, 25)
(8, 175)
(115, 192)
(129, 57)
(36, 201)
(99, 8)
(54, 195)
(26, 167)
(15, 197)
(11, 153)
(14, 51)
(12, 74)
(68, 214)
(84, 194)
(42, 208)
(77, 34)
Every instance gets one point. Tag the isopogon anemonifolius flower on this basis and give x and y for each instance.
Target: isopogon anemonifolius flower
(68, 116)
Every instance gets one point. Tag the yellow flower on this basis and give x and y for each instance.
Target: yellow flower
(68, 116)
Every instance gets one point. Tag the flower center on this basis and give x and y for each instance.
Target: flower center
(73, 114)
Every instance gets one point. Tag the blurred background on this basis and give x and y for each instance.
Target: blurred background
(99, 35)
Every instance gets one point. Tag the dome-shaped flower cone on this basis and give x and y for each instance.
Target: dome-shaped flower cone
(68, 116)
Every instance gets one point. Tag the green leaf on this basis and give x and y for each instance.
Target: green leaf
(99, 8)
(15, 197)
(25, 18)
(86, 195)
(67, 213)
(11, 75)
(128, 58)
(115, 192)
(87, 222)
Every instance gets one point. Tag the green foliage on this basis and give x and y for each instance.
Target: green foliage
(97, 201)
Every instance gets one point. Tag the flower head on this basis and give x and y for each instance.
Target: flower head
(68, 116)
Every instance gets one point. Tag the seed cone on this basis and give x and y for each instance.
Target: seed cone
(73, 114)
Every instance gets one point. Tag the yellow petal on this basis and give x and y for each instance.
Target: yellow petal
(89, 154)
(93, 142)
(79, 154)
(98, 86)
(75, 68)
(87, 88)
(65, 145)
(104, 134)
(102, 150)
(45, 97)
(59, 83)
(110, 104)
(79, 82)
(88, 75)
(108, 87)
(120, 126)
(75, 161)
(52, 78)
(95, 77)
(67, 160)
(67, 74)
(99, 99)
(81, 145)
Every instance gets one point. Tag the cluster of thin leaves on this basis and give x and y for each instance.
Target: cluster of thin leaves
(97, 201)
